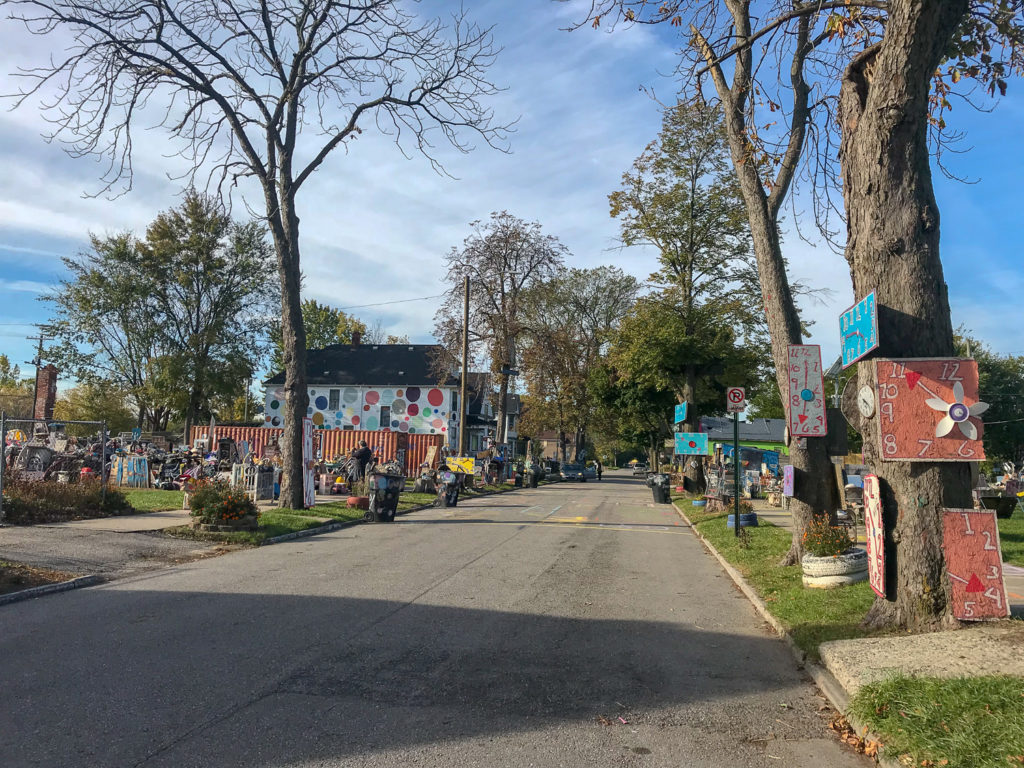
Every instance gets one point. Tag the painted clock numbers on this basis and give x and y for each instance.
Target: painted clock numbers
(875, 534)
(806, 392)
(974, 563)
(928, 410)
(858, 330)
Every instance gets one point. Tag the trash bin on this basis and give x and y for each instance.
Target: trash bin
(532, 476)
(660, 484)
(384, 492)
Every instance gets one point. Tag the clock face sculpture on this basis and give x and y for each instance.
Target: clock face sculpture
(974, 563)
(806, 406)
(929, 409)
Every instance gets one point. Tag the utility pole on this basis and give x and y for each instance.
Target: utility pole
(464, 396)
(38, 363)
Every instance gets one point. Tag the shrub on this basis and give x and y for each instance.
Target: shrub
(215, 502)
(824, 540)
(44, 501)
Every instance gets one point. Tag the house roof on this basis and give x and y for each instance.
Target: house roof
(719, 429)
(377, 365)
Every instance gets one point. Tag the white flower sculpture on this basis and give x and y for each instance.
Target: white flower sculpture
(957, 414)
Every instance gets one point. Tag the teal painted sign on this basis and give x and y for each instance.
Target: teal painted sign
(680, 413)
(858, 330)
(692, 444)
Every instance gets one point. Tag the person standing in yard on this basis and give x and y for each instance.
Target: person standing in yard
(600, 469)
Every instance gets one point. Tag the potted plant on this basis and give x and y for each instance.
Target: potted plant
(830, 558)
(219, 507)
(359, 497)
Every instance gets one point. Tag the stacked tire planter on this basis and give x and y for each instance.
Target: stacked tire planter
(747, 520)
(835, 571)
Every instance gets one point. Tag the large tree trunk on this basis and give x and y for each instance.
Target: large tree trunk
(893, 250)
(285, 230)
(693, 467)
(501, 411)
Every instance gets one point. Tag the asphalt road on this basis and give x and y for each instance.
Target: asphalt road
(573, 625)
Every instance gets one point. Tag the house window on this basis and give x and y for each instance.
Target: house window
(349, 428)
(333, 399)
(385, 417)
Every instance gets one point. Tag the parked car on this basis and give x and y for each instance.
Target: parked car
(640, 469)
(573, 472)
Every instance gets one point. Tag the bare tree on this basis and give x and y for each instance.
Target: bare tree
(504, 258)
(239, 82)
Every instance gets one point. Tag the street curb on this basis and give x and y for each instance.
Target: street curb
(49, 589)
(825, 680)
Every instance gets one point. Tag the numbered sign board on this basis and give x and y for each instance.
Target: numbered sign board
(928, 410)
(735, 399)
(787, 480)
(974, 564)
(691, 444)
(806, 392)
(680, 413)
(858, 330)
(875, 534)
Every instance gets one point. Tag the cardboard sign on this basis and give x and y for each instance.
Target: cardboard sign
(858, 330)
(691, 444)
(788, 476)
(735, 400)
(806, 406)
(974, 563)
(875, 531)
(308, 480)
(680, 414)
(465, 464)
(928, 410)
(431, 456)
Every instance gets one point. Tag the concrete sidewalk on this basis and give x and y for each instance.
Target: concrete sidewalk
(144, 521)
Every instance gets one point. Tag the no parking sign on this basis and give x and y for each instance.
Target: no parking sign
(735, 399)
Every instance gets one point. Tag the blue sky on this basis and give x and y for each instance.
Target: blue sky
(376, 226)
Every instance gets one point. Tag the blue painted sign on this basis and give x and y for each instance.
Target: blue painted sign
(680, 413)
(692, 444)
(858, 330)
(137, 434)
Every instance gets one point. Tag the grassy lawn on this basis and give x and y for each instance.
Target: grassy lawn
(973, 722)
(1011, 537)
(811, 616)
(272, 523)
(152, 500)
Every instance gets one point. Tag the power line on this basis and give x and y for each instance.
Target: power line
(385, 303)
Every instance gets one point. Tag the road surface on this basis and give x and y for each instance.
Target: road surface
(571, 625)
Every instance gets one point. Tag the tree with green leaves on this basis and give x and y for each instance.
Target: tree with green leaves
(16, 394)
(324, 325)
(174, 319)
(95, 401)
(568, 322)
(1001, 385)
(628, 412)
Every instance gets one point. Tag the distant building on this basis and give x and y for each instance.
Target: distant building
(766, 434)
(383, 387)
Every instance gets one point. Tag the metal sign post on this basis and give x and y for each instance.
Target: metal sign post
(736, 470)
(3, 460)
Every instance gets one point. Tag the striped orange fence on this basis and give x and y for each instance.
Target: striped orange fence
(331, 443)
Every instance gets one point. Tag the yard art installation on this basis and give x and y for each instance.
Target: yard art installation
(875, 534)
(806, 406)
(858, 330)
(691, 444)
(465, 464)
(974, 562)
(928, 410)
(788, 475)
(680, 414)
(308, 465)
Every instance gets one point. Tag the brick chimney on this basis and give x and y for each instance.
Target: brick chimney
(46, 393)
(356, 338)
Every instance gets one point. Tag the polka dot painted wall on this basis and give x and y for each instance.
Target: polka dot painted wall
(416, 410)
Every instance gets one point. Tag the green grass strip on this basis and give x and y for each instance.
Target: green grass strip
(811, 616)
(971, 722)
(1011, 538)
(153, 500)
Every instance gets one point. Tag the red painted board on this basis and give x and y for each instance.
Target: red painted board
(875, 534)
(974, 563)
(806, 406)
(925, 410)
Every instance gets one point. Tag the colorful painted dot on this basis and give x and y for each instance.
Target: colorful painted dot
(413, 409)
(372, 397)
(275, 404)
(276, 421)
(412, 394)
(355, 420)
(321, 403)
(318, 419)
(435, 397)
